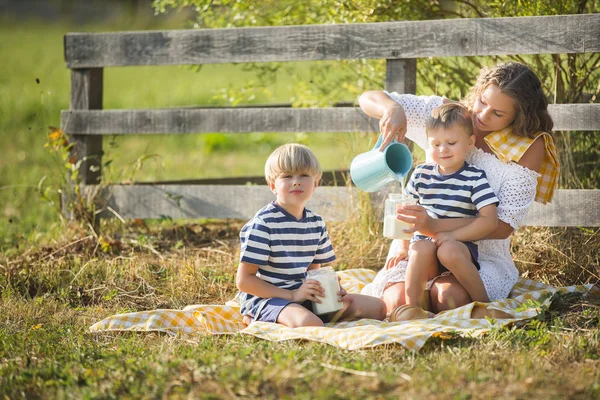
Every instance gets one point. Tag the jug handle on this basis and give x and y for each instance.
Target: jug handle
(380, 140)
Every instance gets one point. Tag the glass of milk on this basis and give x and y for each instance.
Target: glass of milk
(329, 281)
(393, 228)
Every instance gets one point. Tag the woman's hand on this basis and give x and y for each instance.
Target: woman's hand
(442, 237)
(342, 293)
(392, 262)
(309, 290)
(345, 298)
(417, 216)
(392, 125)
(391, 116)
(401, 253)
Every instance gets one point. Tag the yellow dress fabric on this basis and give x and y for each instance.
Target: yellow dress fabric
(508, 147)
(525, 302)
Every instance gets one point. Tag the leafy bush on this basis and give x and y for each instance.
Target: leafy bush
(568, 78)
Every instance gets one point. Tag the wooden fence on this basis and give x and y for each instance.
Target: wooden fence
(400, 43)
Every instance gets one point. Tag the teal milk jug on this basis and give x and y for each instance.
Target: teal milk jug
(372, 170)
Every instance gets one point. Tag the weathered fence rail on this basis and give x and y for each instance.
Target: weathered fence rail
(400, 43)
(582, 117)
(389, 40)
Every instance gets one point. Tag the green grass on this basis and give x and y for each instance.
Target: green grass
(34, 87)
(51, 295)
(61, 360)
(56, 279)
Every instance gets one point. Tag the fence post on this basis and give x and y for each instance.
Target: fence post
(401, 75)
(86, 94)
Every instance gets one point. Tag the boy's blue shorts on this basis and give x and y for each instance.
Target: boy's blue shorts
(274, 306)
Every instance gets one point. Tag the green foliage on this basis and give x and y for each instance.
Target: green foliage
(569, 78)
(320, 87)
(32, 178)
(236, 13)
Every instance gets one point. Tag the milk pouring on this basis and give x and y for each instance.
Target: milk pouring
(393, 228)
(329, 281)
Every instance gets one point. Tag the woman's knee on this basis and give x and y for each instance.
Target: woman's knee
(394, 296)
(368, 307)
(447, 295)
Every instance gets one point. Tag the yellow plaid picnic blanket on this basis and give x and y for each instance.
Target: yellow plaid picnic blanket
(509, 147)
(226, 319)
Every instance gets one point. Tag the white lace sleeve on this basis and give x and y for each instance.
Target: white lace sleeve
(516, 194)
(417, 110)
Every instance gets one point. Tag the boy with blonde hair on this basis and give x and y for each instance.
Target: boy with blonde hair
(448, 187)
(282, 242)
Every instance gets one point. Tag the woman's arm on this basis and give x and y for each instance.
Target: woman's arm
(503, 231)
(534, 155)
(532, 160)
(399, 253)
(422, 222)
(480, 226)
(374, 103)
(517, 192)
(392, 119)
(400, 115)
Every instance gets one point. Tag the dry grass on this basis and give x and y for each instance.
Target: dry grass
(49, 296)
(136, 268)
(140, 266)
(558, 256)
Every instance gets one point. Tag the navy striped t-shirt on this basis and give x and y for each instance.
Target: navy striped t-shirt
(456, 195)
(283, 247)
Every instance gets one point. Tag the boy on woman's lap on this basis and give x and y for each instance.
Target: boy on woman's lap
(448, 187)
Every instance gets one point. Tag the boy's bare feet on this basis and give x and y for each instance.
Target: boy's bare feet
(246, 320)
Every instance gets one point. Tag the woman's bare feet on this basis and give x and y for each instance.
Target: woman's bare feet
(481, 311)
(408, 312)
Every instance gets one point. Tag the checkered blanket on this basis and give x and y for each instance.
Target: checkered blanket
(525, 302)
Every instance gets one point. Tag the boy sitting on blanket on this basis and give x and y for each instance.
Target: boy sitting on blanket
(282, 242)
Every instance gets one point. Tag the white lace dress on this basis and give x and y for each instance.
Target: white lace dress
(514, 186)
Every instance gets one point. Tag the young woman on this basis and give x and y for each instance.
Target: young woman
(514, 147)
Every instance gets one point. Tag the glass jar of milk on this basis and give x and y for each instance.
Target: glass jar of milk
(329, 281)
(393, 228)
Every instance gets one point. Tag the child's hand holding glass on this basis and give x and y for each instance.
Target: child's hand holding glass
(311, 290)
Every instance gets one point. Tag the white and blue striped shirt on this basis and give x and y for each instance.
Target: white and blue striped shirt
(283, 247)
(456, 195)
